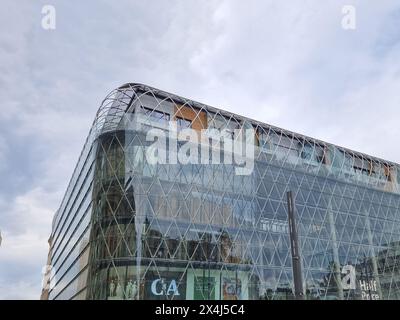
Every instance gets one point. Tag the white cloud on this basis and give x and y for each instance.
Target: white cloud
(3, 153)
(23, 252)
(19, 290)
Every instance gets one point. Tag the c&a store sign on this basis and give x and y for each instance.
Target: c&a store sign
(165, 285)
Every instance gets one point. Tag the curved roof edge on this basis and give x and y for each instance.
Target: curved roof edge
(144, 87)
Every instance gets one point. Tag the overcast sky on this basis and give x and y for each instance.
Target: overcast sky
(286, 63)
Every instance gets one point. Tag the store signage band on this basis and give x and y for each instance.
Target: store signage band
(369, 289)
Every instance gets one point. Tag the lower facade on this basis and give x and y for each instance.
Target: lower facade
(164, 232)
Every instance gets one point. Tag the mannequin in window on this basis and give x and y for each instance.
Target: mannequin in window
(119, 291)
(128, 290)
(134, 290)
(112, 288)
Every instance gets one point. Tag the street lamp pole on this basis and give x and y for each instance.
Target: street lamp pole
(294, 245)
(367, 276)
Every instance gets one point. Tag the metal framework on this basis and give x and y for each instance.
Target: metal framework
(130, 230)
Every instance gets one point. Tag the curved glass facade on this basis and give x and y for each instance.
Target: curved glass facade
(132, 229)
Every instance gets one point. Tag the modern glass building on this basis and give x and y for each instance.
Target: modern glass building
(129, 228)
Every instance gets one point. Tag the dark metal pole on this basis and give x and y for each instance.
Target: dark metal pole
(209, 281)
(236, 284)
(204, 279)
(294, 245)
(220, 285)
(209, 275)
(367, 276)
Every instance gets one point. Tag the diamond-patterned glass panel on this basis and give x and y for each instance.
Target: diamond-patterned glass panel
(201, 231)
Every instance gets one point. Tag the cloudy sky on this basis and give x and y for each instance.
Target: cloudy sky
(287, 63)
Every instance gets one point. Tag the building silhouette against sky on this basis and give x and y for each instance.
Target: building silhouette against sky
(130, 229)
